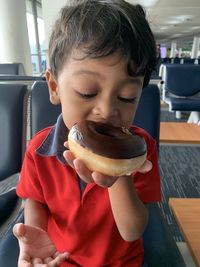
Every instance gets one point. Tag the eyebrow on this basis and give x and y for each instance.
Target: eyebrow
(132, 79)
(80, 72)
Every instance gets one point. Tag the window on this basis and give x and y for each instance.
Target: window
(36, 36)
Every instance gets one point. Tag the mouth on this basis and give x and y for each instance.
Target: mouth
(109, 123)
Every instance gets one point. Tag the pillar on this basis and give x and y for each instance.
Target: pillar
(173, 49)
(49, 17)
(14, 44)
(195, 47)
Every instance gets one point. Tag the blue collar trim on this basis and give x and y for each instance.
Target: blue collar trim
(53, 145)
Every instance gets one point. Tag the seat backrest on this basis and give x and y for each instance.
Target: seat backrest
(176, 60)
(12, 131)
(181, 79)
(148, 112)
(12, 69)
(189, 60)
(42, 112)
(20, 78)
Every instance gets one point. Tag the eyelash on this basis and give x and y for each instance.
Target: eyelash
(126, 100)
(86, 96)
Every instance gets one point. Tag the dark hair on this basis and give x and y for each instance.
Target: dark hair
(101, 27)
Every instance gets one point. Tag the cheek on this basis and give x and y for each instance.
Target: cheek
(73, 112)
(128, 115)
(70, 115)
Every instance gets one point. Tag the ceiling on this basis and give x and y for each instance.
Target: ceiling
(173, 20)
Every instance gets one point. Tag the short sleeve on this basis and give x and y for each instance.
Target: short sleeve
(29, 185)
(148, 184)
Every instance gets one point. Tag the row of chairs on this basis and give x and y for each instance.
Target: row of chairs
(157, 73)
(12, 69)
(180, 60)
(16, 104)
(181, 87)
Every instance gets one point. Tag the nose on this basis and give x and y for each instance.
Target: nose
(106, 109)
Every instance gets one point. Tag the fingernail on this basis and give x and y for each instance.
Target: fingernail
(66, 254)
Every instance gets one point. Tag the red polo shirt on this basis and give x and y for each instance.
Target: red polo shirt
(83, 223)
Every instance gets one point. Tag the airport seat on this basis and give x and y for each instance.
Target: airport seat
(12, 69)
(20, 78)
(150, 106)
(9, 252)
(176, 60)
(12, 105)
(12, 136)
(166, 60)
(188, 60)
(181, 87)
(40, 104)
(160, 248)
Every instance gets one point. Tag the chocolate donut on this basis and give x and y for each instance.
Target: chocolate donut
(113, 151)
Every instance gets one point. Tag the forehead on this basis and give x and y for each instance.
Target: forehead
(79, 60)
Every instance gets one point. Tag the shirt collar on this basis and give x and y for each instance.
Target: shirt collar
(53, 145)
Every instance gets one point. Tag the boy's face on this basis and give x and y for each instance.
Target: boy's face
(98, 89)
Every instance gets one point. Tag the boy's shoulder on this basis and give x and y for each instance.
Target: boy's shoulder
(39, 138)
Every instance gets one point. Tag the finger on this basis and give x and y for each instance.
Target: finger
(24, 263)
(36, 261)
(61, 257)
(146, 167)
(69, 157)
(26, 233)
(24, 259)
(66, 144)
(103, 180)
(83, 172)
(19, 230)
(47, 260)
(66, 254)
(41, 265)
(55, 255)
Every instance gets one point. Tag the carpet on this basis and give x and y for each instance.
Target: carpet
(180, 177)
(171, 116)
(180, 173)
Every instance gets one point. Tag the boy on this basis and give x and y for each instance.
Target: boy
(101, 56)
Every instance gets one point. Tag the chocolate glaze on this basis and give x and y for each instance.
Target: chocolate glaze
(107, 140)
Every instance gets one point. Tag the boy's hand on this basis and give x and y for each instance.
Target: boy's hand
(99, 178)
(36, 248)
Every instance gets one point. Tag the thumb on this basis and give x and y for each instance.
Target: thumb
(19, 230)
(146, 167)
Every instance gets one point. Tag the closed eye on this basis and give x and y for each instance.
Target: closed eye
(86, 95)
(127, 100)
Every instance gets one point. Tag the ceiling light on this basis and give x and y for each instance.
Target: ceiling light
(145, 3)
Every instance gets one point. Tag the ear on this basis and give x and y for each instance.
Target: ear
(53, 88)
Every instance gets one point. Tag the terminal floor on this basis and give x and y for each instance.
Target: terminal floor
(180, 177)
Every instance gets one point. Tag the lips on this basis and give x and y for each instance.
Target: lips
(110, 123)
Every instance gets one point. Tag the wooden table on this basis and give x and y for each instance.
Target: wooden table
(179, 132)
(187, 214)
